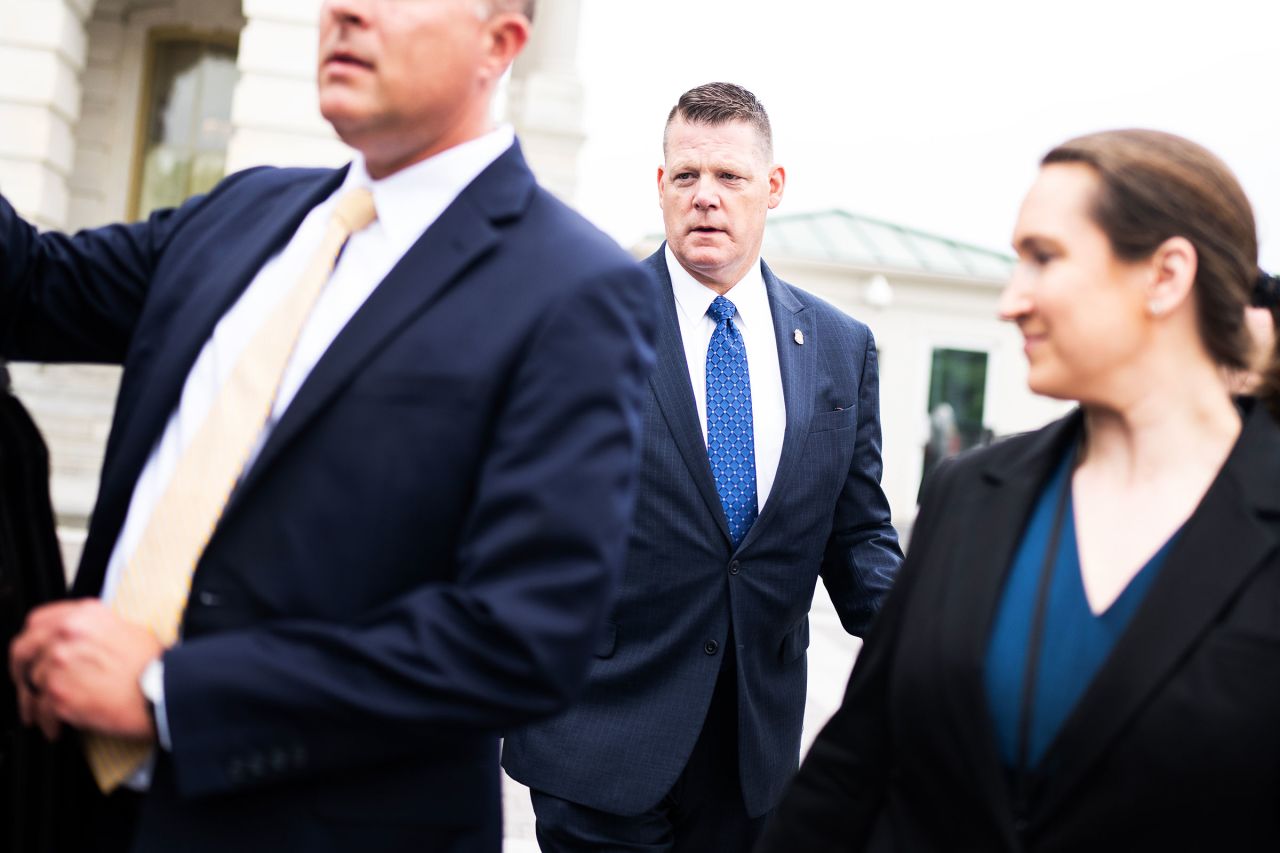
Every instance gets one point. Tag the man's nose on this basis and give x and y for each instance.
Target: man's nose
(346, 11)
(706, 196)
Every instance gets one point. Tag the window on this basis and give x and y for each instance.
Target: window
(183, 146)
(957, 396)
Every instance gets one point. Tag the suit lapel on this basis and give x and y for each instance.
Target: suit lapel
(1218, 550)
(799, 367)
(451, 245)
(987, 527)
(674, 393)
(262, 230)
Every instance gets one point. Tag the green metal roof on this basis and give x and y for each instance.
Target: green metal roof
(840, 237)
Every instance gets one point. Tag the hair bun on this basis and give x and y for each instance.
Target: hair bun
(1266, 291)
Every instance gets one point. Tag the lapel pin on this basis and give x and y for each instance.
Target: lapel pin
(799, 336)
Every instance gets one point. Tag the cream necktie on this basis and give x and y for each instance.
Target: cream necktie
(155, 583)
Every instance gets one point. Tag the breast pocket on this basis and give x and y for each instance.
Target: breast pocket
(607, 641)
(437, 390)
(837, 419)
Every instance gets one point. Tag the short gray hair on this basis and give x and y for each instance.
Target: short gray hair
(720, 103)
(524, 7)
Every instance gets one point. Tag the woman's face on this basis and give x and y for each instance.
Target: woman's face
(1081, 310)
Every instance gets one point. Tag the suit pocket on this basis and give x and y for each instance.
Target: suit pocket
(795, 642)
(434, 389)
(608, 640)
(839, 419)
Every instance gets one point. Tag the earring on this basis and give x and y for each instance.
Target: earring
(1155, 308)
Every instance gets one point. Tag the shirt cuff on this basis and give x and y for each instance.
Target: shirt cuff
(152, 684)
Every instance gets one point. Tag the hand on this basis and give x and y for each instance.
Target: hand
(78, 663)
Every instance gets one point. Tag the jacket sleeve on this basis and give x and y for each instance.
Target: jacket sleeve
(833, 803)
(78, 297)
(862, 555)
(505, 643)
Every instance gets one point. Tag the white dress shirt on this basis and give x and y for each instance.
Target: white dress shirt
(407, 202)
(754, 321)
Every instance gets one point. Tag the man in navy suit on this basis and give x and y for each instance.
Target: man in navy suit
(760, 471)
(417, 548)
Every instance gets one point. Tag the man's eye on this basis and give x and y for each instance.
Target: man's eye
(729, 176)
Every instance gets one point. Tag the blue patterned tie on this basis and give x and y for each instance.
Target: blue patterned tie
(730, 437)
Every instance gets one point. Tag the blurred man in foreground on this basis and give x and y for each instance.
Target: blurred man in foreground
(367, 488)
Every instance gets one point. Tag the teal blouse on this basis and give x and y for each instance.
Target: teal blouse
(1075, 643)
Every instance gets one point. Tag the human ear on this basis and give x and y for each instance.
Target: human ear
(777, 183)
(506, 35)
(1173, 266)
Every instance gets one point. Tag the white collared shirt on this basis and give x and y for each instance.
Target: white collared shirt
(754, 321)
(408, 202)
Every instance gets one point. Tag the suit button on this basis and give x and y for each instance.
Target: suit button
(236, 771)
(1021, 825)
(279, 760)
(711, 647)
(735, 567)
(208, 599)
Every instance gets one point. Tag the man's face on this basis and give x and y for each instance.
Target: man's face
(405, 74)
(715, 190)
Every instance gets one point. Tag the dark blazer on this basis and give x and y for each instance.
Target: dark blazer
(621, 747)
(422, 553)
(1174, 746)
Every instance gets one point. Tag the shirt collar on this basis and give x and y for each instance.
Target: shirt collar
(693, 298)
(409, 200)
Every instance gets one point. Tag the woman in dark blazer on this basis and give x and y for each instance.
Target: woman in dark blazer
(1082, 652)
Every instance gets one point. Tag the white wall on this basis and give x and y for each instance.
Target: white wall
(927, 312)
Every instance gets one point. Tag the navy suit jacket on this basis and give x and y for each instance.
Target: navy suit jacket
(423, 552)
(621, 747)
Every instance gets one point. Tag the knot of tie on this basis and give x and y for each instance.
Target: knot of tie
(721, 309)
(355, 209)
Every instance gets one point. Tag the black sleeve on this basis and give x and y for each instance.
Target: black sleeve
(835, 799)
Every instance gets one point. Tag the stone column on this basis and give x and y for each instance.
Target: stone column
(276, 113)
(545, 97)
(42, 49)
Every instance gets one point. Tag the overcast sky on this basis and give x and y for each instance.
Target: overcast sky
(929, 113)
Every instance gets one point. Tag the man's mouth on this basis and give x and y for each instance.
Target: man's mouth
(705, 229)
(348, 59)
